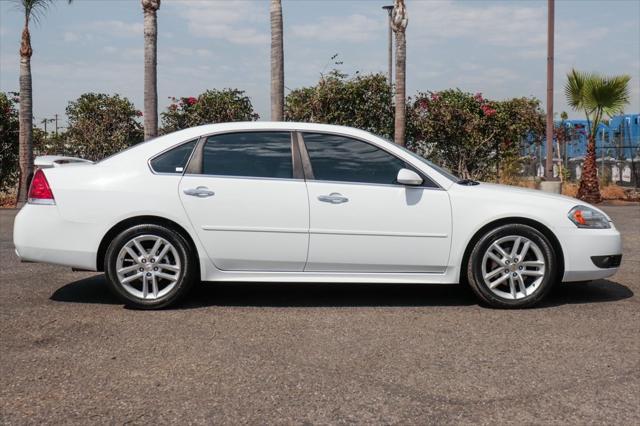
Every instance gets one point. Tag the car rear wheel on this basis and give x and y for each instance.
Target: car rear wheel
(149, 266)
(512, 266)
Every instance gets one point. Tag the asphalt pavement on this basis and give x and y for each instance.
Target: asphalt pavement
(317, 353)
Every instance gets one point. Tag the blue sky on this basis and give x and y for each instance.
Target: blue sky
(494, 47)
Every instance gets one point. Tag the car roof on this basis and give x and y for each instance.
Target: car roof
(271, 125)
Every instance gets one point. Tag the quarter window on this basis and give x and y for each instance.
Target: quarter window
(174, 160)
(343, 159)
(251, 154)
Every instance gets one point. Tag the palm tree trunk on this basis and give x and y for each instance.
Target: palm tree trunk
(401, 90)
(150, 8)
(277, 62)
(25, 115)
(589, 189)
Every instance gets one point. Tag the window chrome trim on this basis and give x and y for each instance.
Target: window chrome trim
(242, 177)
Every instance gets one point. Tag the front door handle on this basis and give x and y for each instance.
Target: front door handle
(333, 198)
(200, 192)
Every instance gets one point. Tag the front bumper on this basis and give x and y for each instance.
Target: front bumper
(580, 246)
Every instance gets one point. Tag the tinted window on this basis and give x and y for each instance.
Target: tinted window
(339, 158)
(174, 160)
(252, 154)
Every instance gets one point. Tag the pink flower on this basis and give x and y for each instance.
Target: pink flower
(478, 97)
(192, 101)
(139, 113)
(435, 96)
(488, 111)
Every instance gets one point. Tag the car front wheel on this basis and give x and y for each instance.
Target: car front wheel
(512, 266)
(149, 267)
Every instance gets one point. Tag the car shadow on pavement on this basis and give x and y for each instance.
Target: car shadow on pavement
(94, 290)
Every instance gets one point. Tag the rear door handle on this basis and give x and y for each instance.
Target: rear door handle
(333, 198)
(200, 192)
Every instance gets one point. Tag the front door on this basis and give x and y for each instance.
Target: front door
(362, 220)
(247, 208)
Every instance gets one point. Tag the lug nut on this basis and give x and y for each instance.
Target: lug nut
(515, 274)
(152, 260)
(149, 274)
(155, 269)
(141, 269)
(515, 260)
(520, 268)
(144, 260)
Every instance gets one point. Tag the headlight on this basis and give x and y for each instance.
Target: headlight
(586, 217)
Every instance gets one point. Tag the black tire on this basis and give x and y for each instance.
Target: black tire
(185, 277)
(474, 267)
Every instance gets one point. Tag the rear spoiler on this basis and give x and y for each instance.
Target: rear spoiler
(47, 161)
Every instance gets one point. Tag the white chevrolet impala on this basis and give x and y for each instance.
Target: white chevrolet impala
(292, 202)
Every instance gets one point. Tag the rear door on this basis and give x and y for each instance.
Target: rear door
(246, 203)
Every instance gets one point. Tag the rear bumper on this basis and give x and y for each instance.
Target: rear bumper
(40, 234)
(581, 246)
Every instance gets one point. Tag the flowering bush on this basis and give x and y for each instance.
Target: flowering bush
(363, 102)
(212, 106)
(473, 136)
(8, 141)
(99, 125)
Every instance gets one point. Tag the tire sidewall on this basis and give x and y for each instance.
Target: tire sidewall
(474, 268)
(186, 274)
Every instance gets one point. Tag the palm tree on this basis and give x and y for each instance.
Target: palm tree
(33, 10)
(150, 9)
(595, 95)
(399, 21)
(277, 62)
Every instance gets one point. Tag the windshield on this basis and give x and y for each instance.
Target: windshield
(444, 172)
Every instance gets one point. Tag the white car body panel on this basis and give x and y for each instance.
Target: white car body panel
(391, 234)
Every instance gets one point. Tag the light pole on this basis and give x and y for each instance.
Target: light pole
(548, 171)
(389, 10)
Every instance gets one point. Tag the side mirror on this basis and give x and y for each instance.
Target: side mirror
(408, 177)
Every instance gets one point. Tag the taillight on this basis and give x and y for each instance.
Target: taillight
(40, 191)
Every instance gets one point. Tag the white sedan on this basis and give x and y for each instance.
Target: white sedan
(294, 202)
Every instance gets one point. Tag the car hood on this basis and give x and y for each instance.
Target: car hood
(526, 195)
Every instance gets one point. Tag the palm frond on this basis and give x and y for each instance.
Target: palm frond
(574, 89)
(34, 9)
(609, 94)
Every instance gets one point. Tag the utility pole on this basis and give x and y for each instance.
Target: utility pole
(56, 119)
(548, 172)
(389, 10)
(44, 121)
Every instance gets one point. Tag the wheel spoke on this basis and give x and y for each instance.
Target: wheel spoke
(132, 278)
(499, 249)
(167, 276)
(495, 258)
(525, 249)
(127, 269)
(493, 273)
(139, 247)
(523, 288)
(132, 253)
(516, 246)
(512, 286)
(169, 267)
(532, 273)
(163, 252)
(497, 282)
(536, 263)
(154, 286)
(156, 246)
(145, 286)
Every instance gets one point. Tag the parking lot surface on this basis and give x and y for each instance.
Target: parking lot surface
(321, 354)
